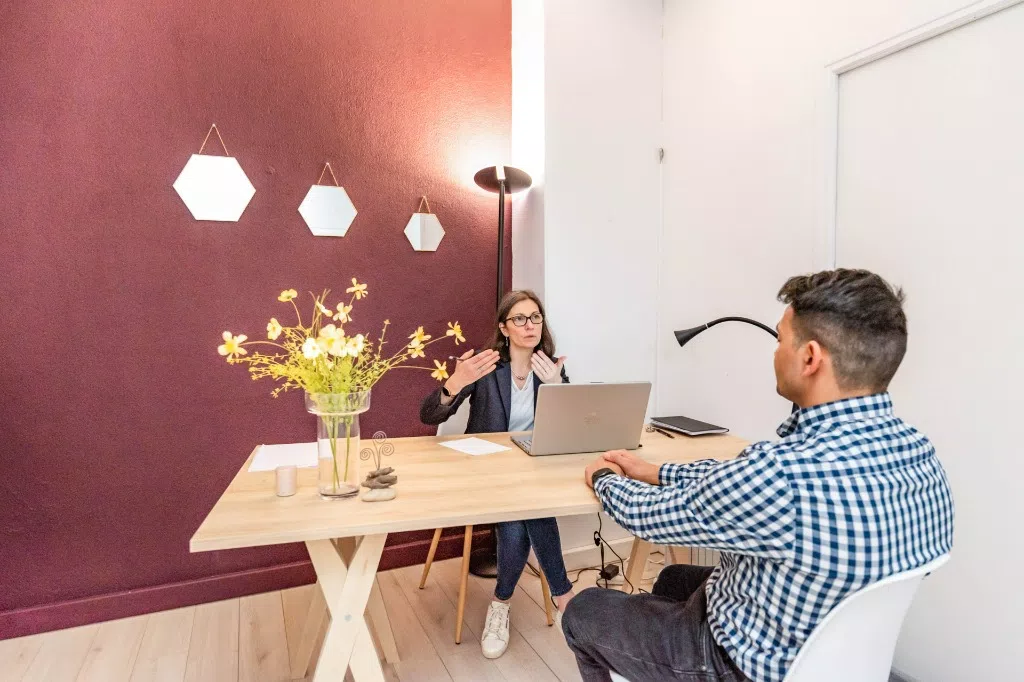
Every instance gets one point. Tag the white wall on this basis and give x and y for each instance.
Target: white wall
(594, 215)
(744, 176)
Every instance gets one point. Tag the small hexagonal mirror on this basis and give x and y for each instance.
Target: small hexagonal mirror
(214, 188)
(424, 231)
(327, 211)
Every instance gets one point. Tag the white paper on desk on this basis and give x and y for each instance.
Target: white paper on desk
(269, 457)
(474, 446)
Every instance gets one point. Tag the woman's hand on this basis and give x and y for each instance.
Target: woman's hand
(634, 467)
(470, 368)
(549, 372)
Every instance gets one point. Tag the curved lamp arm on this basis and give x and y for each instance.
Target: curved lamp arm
(683, 336)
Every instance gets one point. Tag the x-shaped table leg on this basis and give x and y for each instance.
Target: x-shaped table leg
(346, 573)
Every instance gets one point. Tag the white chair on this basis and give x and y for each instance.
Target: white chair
(856, 640)
(456, 425)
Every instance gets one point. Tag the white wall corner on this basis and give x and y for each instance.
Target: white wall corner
(528, 140)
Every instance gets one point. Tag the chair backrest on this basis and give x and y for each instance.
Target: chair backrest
(456, 424)
(855, 642)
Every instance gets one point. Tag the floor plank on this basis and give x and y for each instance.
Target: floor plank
(436, 614)
(163, 653)
(262, 646)
(16, 655)
(61, 656)
(520, 661)
(419, 660)
(113, 651)
(213, 649)
(295, 604)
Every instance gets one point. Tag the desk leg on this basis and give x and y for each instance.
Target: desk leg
(347, 586)
(637, 563)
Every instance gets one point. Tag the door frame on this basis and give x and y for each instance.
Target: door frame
(943, 24)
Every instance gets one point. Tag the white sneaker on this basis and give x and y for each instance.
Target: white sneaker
(494, 640)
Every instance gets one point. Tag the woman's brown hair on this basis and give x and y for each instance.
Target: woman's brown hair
(498, 340)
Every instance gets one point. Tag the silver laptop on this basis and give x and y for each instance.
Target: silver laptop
(572, 418)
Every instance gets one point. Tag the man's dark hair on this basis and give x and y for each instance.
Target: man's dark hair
(857, 317)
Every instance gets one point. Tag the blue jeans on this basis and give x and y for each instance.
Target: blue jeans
(514, 540)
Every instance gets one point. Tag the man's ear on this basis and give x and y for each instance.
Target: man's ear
(812, 358)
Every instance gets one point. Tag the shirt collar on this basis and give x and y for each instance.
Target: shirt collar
(850, 409)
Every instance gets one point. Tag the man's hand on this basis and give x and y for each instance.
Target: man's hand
(600, 463)
(633, 467)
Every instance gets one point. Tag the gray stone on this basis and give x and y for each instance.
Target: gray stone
(380, 495)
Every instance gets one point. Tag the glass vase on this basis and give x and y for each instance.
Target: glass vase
(337, 441)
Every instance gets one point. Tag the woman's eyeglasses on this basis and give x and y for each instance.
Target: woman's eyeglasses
(520, 320)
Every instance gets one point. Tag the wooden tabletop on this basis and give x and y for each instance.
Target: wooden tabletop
(437, 487)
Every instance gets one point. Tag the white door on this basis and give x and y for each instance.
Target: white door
(931, 196)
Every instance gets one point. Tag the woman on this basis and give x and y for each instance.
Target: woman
(501, 384)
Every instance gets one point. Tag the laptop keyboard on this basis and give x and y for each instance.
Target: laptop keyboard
(525, 443)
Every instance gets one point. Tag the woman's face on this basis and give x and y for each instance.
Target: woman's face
(528, 335)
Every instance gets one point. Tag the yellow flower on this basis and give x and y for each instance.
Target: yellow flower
(456, 331)
(324, 310)
(287, 295)
(416, 349)
(343, 313)
(419, 335)
(232, 345)
(273, 329)
(332, 340)
(441, 373)
(357, 289)
(311, 349)
(354, 345)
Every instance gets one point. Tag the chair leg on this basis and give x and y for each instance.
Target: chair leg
(546, 591)
(467, 547)
(430, 557)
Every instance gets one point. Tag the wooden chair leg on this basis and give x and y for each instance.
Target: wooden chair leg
(430, 557)
(467, 547)
(546, 591)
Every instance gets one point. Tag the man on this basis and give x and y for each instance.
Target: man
(848, 496)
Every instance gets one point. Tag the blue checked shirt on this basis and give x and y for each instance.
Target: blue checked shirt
(848, 496)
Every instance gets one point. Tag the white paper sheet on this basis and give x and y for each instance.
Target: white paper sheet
(474, 446)
(269, 457)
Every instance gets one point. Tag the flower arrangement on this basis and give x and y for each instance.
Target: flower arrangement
(334, 367)
(321, 358)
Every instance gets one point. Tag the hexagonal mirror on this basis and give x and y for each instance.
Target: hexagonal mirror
(424, 231)
(327, 210)
(214, 188)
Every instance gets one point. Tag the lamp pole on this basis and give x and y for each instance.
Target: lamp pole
(502, 180)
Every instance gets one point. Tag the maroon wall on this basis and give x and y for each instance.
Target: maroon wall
(119, 424)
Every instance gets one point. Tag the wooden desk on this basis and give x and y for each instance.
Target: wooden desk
(437, 487)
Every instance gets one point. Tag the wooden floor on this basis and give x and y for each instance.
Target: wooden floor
(247, 639)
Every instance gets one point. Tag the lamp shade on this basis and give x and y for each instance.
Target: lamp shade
(515, 180)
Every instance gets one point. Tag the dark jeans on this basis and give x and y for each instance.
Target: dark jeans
(514, 540)
(648, 637)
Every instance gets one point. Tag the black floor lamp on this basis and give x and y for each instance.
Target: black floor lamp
(503, 180)
(684, 336)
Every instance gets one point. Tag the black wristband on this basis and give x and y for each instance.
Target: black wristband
(599, 474)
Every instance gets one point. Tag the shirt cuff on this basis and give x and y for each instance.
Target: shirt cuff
(668, 473)
(602, 485)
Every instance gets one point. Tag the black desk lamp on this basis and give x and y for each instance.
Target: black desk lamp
(683, 336)
(503, 180)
